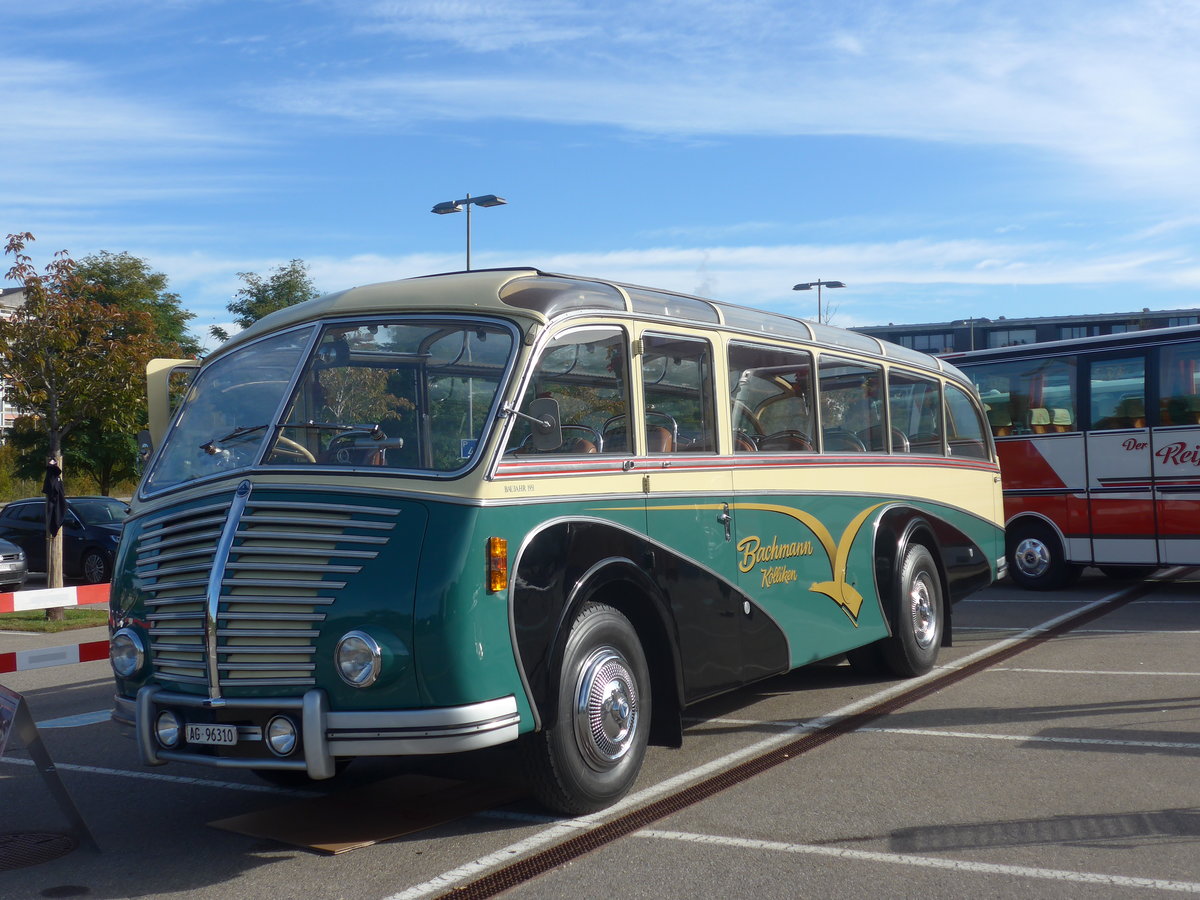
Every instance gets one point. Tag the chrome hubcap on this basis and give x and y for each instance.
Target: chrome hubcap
(924, 611)
(1032, 557)
(606, 708)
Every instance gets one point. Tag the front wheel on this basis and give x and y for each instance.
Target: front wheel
(1036, 560)
(591, 756)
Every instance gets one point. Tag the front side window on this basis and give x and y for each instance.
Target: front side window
(964, 427)
(585, 372)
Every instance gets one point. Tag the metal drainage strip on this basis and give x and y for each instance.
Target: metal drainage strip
(33, 848)
(523, 870)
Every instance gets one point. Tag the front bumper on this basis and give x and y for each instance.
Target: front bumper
(325, 734)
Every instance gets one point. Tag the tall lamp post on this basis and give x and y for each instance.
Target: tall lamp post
(453, 206)
(809, 285)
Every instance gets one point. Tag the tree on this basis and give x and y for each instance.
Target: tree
(285, 286)
(126, 282)
(67, 359)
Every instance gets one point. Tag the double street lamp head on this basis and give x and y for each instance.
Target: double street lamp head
(453, 206)
(809, 285)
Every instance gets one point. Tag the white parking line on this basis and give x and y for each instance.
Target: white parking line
(928, 862)
(159, 776)
(88, 718)
(561, 830)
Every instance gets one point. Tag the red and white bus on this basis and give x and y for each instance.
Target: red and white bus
(1099, 444)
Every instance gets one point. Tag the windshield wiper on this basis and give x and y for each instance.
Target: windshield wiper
(210, 447)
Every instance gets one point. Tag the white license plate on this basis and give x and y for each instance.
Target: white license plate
(225, 735)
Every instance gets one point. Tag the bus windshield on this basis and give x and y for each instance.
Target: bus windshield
(411, 395)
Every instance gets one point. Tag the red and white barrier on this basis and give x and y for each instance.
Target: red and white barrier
(46, 657)
(51, 598)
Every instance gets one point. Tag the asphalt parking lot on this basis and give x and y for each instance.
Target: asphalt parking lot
(1067, 770)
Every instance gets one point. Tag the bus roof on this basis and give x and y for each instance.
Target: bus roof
(1071, 345)
(542, 297)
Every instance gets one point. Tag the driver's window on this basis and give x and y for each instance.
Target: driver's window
(586, 372)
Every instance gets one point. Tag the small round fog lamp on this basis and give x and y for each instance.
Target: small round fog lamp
(359, 658)
(281, 735)
(126, 652)
(166, 728)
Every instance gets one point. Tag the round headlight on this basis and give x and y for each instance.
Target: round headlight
(126, 652)
(166, 728)
(281, 735)
(359, 658)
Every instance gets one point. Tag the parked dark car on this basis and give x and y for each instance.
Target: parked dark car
(13, 568)
(91, 531)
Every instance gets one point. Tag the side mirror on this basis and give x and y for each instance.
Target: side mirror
(547, 429)
(145, 446)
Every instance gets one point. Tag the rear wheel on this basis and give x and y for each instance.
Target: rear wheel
(1036, 560)
(591, 756)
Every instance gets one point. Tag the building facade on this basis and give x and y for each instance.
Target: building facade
(978, 334)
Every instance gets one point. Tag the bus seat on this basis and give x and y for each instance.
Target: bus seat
(1001, 421)
(658, 439)
(743, 443)
(786, 440)
(1133, 409)
(1061, 419)
(1039, 420)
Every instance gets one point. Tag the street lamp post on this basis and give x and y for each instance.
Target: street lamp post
(809, 285)
(453, 206)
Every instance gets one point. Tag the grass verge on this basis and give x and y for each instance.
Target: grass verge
(35, 620)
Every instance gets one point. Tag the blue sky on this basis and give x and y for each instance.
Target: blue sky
(944, 159)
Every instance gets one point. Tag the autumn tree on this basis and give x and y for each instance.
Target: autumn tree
(67, 359)
(285, 286)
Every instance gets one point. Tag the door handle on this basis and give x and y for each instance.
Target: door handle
(725, 519)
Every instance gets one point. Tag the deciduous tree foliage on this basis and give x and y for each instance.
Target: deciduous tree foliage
(68, 359)
(285, 286)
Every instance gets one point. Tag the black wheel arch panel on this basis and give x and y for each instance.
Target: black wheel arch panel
(568, 563)
(962, 564)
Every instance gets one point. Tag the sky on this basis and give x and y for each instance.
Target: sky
(944, 159)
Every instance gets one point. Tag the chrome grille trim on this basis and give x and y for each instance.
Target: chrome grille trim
(225, 583)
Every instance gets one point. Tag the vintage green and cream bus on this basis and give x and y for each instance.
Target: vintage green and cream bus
(451, 512)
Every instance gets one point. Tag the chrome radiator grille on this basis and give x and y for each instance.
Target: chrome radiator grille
(253, 623)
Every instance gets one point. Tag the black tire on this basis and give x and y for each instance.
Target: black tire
(95, 567)
(920, 616)
(591, 756)
(1036, 560)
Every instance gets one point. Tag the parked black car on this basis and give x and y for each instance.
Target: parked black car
(91, 532)
(13, 568)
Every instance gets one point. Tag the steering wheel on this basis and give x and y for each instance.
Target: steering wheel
(285, 446)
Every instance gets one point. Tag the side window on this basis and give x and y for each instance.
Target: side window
(964, 427)
(677, 381)
(1118, 389)
(771, 396)
(916, 409)
(1028, 396)
(851, 406)
(586, 371)
(1179, 384)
